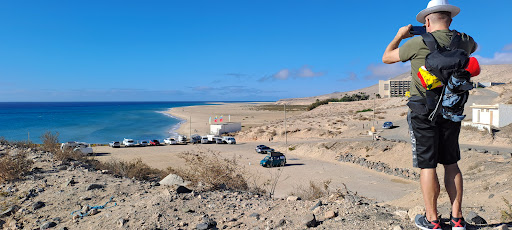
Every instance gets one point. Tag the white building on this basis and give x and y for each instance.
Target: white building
(393, 88)
(487, 116)
(228, 127)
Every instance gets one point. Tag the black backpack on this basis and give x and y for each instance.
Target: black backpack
(448, 65)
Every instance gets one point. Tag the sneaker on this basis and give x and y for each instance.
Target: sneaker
(422, 223)
(457, 223)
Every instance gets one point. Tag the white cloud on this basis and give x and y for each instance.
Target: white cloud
(282, 74)
(508, 47)
(305, 71)
(386, 71)
(499, 58)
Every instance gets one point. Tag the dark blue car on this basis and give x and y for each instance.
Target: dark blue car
(387, 125)
(274, 159)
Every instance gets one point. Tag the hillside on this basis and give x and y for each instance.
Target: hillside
(489, 73)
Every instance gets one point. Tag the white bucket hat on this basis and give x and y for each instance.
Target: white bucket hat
(437, 6)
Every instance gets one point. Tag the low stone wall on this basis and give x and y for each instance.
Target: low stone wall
(379, 166)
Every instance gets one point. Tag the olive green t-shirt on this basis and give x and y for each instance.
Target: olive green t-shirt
(416, 51)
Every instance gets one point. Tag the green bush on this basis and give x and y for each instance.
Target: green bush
(346, 98)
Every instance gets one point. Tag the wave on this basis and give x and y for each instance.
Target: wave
(172, 130)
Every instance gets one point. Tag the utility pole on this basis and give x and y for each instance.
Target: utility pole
(285, 131)
(374, 98)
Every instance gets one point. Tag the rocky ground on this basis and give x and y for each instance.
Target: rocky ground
(73, 195)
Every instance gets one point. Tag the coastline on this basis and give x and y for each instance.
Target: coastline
(194, 119)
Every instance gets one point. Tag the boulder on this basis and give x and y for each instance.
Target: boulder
(173, 179)
(474, 218)
(329, 215)
(293, 198)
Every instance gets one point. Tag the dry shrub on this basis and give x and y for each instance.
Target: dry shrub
(213, 172)
(66, 155)
(506, 215)
(14, 166)
(50, 141)
(22, 144)
(131, 169)
(313, 191)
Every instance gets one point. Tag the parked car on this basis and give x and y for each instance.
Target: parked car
(195, 138)
(170, 141)
(154, 142)
(229, 140)
(274, 159)
(74, 146)
(264, 149)
(220, 141)
(387, 125)
(204, 140)
(114, 144)
(143, 143)
(128, 142)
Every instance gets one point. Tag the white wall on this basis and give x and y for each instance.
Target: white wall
(505, 115)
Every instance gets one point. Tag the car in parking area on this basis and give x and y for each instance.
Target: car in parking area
(114, 144)
(220, 141)
(204, 140)
(128, 142)
(387, 125)
(154, 142)
(170, 141)
(274, 159)
(263, 149)
(143, 143)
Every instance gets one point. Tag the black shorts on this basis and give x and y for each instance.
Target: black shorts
(433, 143)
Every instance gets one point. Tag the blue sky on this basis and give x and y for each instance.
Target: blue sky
(215, 50)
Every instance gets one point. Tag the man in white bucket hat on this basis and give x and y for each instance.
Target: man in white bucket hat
(433, 141)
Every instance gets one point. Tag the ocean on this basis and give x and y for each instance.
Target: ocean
(92, 122)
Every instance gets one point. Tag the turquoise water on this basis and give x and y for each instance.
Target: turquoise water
(92, 122)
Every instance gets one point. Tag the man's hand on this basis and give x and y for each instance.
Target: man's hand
(404, 32)
(391, 54)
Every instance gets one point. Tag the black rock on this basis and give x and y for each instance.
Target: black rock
(94, 186)
(183, 189)
(309, 220)
(255, 215)
(38, 205)
(48, 225)
(281, 223)
(474, 218)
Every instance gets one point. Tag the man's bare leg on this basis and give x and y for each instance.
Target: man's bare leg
(430, 189)
(454, 186)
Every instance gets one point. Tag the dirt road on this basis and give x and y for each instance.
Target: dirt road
(299, 171)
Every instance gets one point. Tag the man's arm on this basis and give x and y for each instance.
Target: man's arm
(392, 52)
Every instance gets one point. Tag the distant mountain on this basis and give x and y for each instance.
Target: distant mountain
(489, 73)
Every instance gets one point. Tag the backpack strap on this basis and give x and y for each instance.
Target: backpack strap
(430, 41)
(456, 39)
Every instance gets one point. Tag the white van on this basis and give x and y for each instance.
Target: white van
(128, 142)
